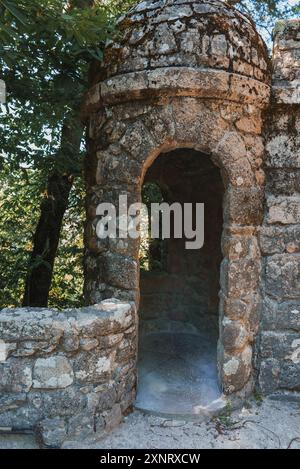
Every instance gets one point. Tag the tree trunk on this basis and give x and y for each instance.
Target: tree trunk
(53, 208)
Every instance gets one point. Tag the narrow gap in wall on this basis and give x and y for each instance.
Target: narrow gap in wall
(179, 291)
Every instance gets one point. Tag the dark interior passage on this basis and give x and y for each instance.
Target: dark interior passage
(179, 292)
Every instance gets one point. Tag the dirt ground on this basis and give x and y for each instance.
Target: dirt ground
(266, 424)
(269, 424)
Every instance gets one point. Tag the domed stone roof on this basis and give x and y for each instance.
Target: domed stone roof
(187, 33)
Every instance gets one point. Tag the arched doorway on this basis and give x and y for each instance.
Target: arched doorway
(179, 291)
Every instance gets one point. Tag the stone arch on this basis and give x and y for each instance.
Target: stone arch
(121, 169)
(146, 137)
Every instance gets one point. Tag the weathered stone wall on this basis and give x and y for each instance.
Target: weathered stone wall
(184, 75)
(112, 268)
(280, 234)
(187, 33)
(67, 374)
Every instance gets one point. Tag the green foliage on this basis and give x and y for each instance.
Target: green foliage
(20, 196)
(258, 397)
(44, 65)
(151, 194)
(266, 12)
(67, 282)
(45, 51)
(71, 29)
(152, 251)
(19, 201)
(224, 420)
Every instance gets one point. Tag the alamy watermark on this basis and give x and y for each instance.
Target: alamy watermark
(176, 220)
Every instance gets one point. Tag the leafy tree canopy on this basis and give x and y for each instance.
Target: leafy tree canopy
(266, 12)
(45, 49)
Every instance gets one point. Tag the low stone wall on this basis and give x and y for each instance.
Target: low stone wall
(67, 374)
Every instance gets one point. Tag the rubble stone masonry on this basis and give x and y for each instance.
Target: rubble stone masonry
(279, 350)
(67, 374)
(195, 75)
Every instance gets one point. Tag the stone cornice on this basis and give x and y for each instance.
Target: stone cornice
(181, 81)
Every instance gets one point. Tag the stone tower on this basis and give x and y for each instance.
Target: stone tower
(194, 75)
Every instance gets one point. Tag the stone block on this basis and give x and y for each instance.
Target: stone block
(91, 367)
(108, 318)
(81, 425)
(283, 209)
(6, 349)
(102, 398)
(30, 324)
(245, 309)
(164, 40)
(284, 346)
(231, 147)
(244, 205)
(12, 401)
(219, 45)
(234, 336)
(240, 278)
(53, 372)
(283, 316)
(158, 123)
(88, 344)
(56, 402)
(283, 181)
(279, 376)
(28, 348)
(282, 276)
(20, 416)
(283, 151)
(279, 239)
(189, 129)
(138, 141)
(236, 370)
(290, 376)
(15, 376)
(250, 125)
(115, 169)
(71, 340)
(112, 417)
(269, 375)
(120, 271)
(238, 247)
(52, 432)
